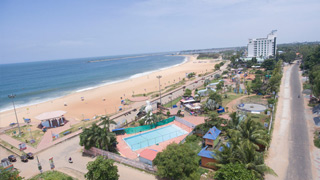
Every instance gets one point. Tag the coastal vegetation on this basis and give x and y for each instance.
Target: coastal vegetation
(98, 137)
(11, 174)
(52, 175)
(102, 168)
(177, 162)
(208, 56)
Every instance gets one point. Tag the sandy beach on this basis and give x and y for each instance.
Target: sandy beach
(108, 98)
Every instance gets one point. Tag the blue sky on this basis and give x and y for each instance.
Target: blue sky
(56, 29)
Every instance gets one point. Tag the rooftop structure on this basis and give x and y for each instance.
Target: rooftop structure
(147, 156)
(263, 47)
(212, 134)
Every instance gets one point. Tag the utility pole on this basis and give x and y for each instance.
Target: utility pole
(159, 87)
(12, 96)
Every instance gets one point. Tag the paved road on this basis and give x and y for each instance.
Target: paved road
(299, 156)
(60, 153)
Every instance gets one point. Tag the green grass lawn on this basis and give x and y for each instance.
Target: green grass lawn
(26, 136)
(52, 175)
(174, 102)
(231, 97)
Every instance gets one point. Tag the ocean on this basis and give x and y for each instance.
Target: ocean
(36, 82)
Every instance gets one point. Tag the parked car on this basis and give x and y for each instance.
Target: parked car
(12, 124)
(30, 155)
(12, 158)
(24, 158)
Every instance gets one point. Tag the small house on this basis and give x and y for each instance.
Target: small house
(207, 156)
(147, 156)
(211, 137)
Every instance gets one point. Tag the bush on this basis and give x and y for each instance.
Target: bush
(258, 72)
(141, 122)
(191, 138)
(316, 139)
(271, 101)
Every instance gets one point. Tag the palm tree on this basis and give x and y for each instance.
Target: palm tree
(253, 131)
(97, 137)
(246, 154)
(152, 118)
(105, 120)
(234, 122)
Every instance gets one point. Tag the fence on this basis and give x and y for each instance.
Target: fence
(95, 152)
(182, 121)
(134, 130)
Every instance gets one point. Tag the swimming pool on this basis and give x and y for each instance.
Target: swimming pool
(153, 137)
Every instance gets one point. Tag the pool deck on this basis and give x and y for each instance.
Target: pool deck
(126, 151)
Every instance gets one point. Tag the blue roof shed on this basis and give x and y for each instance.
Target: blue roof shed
(205, 153)
(212, 134)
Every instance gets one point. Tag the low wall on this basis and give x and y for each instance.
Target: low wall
(95, 152)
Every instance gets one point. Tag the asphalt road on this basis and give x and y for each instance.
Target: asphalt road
(299, 156)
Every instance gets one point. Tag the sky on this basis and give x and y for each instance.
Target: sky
(57, 29)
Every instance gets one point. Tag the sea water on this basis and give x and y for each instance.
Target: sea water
(35, 82)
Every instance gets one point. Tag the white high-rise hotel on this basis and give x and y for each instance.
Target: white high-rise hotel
(263, 47)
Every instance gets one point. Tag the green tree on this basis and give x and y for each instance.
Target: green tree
(216, 97)
(98, 137)
(253, 131)
(102, 169)
(234, 121)
(187, 92)
(257, 84)
(177, 162)
(246, 154)
(248, 88)
(190, 75)
(9, 174)
(234, 171)
(217, 67)
(106, 121)
(268, 64)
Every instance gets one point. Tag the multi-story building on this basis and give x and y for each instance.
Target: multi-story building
(263, 47)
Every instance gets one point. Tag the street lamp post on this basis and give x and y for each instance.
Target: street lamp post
(12, 96)
(159, 87)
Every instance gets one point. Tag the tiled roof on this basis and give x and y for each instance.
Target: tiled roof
(149, 154)
(212, 134)
(205, 153)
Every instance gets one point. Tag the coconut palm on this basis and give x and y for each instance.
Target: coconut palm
(97, 137)
(105, 120)
(234, 121)
(246, 154)
(253, 131)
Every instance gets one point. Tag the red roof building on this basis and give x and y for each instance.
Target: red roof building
(147, 156)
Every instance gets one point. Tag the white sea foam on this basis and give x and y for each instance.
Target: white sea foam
(39, 101)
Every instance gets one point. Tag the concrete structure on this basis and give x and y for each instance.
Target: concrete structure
(263, 47)
(147, 156)
(211, 136)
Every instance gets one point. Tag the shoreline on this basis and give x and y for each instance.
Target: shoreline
(83, 89)
(107, 98)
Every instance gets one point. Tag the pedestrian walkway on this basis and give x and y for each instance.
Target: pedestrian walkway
(15, 143)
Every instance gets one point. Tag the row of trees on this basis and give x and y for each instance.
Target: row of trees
(311, 65)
